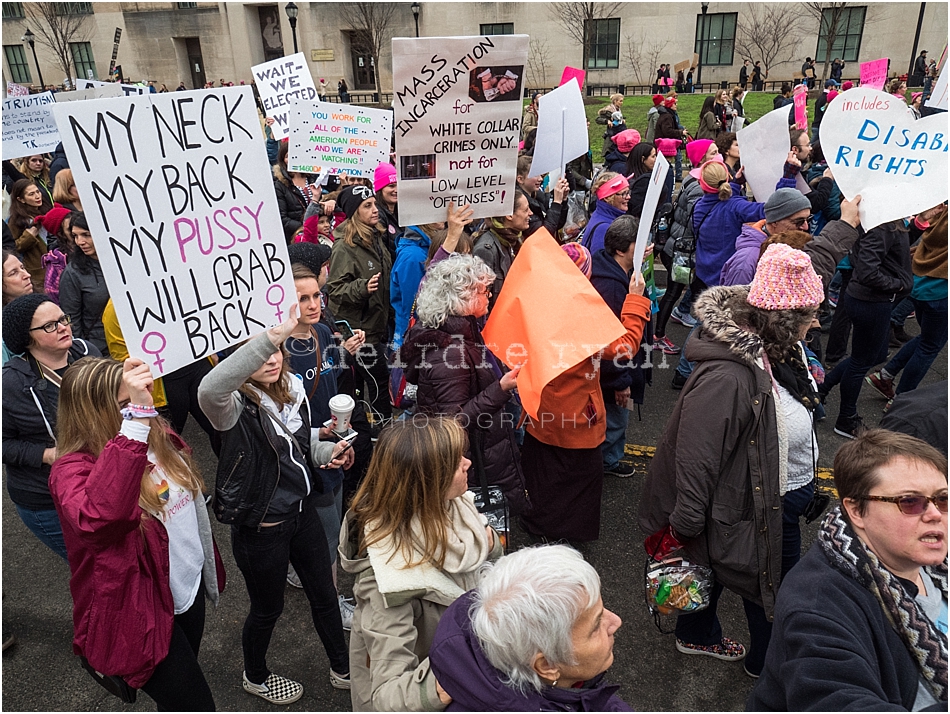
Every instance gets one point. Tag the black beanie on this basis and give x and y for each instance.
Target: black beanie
(17, 317)
(310, 255)
(351, 197)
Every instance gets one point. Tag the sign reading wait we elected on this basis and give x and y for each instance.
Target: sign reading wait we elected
(330, 138)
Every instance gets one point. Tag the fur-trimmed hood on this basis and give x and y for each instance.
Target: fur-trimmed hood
(715, 308)
(280, 173)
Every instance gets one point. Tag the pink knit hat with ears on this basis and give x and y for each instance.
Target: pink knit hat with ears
(785, 280)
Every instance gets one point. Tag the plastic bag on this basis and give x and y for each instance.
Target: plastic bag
(675, 586)
(577, 216)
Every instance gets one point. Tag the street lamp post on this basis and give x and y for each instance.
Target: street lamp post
(702, 44)
(291, 10)
(28, 37)
(415, 14)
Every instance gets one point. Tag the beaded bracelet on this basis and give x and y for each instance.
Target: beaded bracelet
(139, 411)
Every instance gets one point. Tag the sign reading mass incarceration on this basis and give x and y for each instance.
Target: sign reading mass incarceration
(457, 103)
(181, 203)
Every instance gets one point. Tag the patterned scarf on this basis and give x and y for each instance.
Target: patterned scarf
(509, 237)
(925, 643)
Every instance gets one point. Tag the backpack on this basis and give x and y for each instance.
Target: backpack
(54, 263)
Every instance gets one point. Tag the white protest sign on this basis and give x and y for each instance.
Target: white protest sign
(28, 125)
(661, 168)
(330, 138)
(765, 144)
(938, 95)
(180, 199)
(127, 89)
(105, 91)
(457, 103)
(281, 82)
(562, 129)
(876, 148)
(17, 90)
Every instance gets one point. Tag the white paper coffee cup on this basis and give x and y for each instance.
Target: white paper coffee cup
(341, 409)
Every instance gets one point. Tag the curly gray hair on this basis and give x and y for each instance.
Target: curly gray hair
(450, 287)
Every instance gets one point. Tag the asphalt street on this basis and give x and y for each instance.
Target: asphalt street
(41, 673)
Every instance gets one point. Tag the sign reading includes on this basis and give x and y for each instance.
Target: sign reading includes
(281, 82)
(180, 199)
(28, 125)
(457, 103)
(874, 74)
(330, 138)
(127, 89)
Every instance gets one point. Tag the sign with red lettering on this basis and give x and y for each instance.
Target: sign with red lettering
(874, 73)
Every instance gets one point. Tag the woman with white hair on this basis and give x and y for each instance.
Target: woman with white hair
(533, 636)
(444, 355)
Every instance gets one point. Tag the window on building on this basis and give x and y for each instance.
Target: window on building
(846, 39)
(16, 60)
(74, 8)
(187, 5)
(497, 28)
(12, 10)
(715, 45)
(604, 44)
(82, 58)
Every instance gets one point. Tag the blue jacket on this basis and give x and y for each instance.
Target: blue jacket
(716, 225)
(604, 214)
(408, 269)
(616, 161)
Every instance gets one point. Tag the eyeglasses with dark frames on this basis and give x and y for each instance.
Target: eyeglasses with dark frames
(912, 505)
(53, 325)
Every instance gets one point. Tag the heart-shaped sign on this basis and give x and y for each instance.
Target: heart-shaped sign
(875, 147)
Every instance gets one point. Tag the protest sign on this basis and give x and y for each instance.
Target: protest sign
(876, 148)
(549, 314)
(17, 90)
(874, 73)
(767, 140)
(179, 197)
(330, 138)
(661, 167)
(681, 66)
(938, 95)
(281, 82)
(28, 125)
(570, 73)
(106, 90)
(457, 103)
(800, 99)
(562, 129)
(127, 89)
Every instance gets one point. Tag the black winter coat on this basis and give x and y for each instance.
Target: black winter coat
(390, 221)
(882, 264)
(544, 213)
(58, 162)
(290, 202)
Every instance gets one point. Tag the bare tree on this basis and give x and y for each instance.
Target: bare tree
(369, 24)
(639, 51)
(576, 19)
(539, 57)
(57, 29)
(770, 33)
(829, 16)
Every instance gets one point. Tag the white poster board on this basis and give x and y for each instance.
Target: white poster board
(458, 104)
(28, 125)
(180, 199)
(280, 83)
(127, 89)
(876, 148)
(106, 91)
(661, 168)
(562, 129)
(765, 144)
(327, 138)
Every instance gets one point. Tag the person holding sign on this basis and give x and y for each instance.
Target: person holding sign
(295, 192)
(639, 168)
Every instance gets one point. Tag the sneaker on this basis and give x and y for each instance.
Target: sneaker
(884, 386)
(666, 344)
(292, 578)
(347, 608)
(748, 673)
(275, 689)
(682, 318)
(898, 336)
(729, 650)
(678, 381)
(849, 426)
(339, 681)
(621, 470)
(887, 407)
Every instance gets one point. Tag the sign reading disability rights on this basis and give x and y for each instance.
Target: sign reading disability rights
(180, 199)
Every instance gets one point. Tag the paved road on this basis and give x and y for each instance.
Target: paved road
(40, 673)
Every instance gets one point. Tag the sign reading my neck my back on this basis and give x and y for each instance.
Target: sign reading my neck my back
(182, 210)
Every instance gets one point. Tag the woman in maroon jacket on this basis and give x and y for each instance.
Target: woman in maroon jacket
(137, 534)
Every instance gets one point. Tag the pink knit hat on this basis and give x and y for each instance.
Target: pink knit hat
(626, 140)
(384, 175)
(581, 257)
(784, 280)
(697, 149)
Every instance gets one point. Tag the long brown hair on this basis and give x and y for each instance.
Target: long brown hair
(403, 494)
(61, 194)
(88, 418)
(356, 231)
(279, 391)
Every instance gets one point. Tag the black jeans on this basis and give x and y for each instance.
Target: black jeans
(178, 684)
(181, 391)
(840, 331)
(673, 292)
(262, 555)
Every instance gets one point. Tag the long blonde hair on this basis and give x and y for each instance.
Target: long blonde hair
(356, 231)
(406, 484)
(88, 418)
(64, 182)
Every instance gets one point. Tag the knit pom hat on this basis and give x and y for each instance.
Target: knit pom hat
(785, 202)
(52, 221)
(581, 257)
(784, 280)
(17, 317)
(384, 175)
(626, 140)
(313, 256)
(696, 150)
(351, 197)
(657, 99)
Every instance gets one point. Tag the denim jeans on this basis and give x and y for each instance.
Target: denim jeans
(901, 311)
(262, 556)
(45, 525)
(617, 418)
(685, 367)
(678, 168)
(794, 504)
(330, 511)
(916, 356)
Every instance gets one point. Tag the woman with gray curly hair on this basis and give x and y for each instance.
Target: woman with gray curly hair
(445, 356)
(533, 636)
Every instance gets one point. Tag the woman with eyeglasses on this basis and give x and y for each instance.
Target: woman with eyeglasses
(37, 333)
(82, 287)
(613, 198)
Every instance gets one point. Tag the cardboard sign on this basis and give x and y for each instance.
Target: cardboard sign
(570, 73)
(17, 90)
(330, 138)
(105, 91)
(876, 148)
(458, 103)
(179, 196)
(874, 73)
(280, 83)
(768, 141)
(127, 89)
(800, 98)
(562, 129)
(681, 66)
(938, 95)
(661, 167)
(29, 126)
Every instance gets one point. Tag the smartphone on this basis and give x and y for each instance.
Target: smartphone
(344, 329)
(349, 445)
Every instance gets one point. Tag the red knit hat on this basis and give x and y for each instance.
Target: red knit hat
(669, 101)
(53, 220)
(657, 99)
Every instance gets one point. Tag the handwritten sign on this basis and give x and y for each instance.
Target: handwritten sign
(877, 149)
(457, 103)
(768, 141)
(17, 90)
(800, 99)
(661, 168)
(179, 195)
(105, 91)
(570, 73)
(874, 73)
(127, 89)
(281, 82)
(330, 138)
(562, 129)
(28, 125)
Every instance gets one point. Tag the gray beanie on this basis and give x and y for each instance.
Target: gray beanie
(785, 202)
(17, 318)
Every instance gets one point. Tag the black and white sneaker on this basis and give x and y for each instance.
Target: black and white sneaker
(275, 689)
(621, 470)
(339, 681)
(850, 427)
